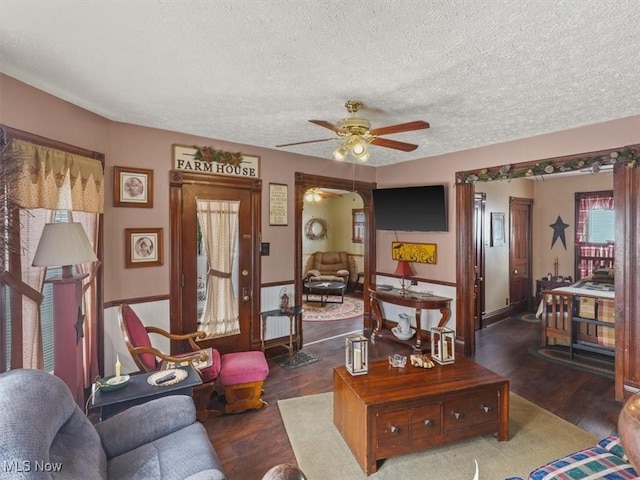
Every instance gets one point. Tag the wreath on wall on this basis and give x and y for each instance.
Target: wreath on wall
(315, 229)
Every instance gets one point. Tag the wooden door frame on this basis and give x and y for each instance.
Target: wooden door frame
(305, 181)
(479, 252)
(627, 261)
(177, 179)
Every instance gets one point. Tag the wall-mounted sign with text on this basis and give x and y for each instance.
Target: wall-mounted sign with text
(184, 158)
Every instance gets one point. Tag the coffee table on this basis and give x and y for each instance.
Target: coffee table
(394, 411)
(324, 289)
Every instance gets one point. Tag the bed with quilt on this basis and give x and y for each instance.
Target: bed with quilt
(581, 315)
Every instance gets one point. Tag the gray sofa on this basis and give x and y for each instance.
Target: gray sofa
(42, 429)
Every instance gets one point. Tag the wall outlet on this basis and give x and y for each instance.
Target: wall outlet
(414, 282)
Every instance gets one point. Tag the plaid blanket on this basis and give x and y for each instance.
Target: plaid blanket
(590, 464)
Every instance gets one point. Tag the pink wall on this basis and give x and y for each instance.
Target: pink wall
(442, 168)
(32, 110)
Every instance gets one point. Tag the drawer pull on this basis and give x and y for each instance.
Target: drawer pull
(457, 415)
(394, 429)
(486, 409)
(428, 423)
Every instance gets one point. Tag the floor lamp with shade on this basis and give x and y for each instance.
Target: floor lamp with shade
(65, 245)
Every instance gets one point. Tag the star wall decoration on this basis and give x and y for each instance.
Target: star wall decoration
(558, 232)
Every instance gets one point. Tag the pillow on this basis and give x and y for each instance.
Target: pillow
(603, 274)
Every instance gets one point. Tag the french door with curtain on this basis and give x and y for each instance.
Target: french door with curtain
(215, 266)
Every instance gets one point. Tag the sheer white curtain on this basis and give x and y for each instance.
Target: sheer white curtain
(32, 224)
(218, 220)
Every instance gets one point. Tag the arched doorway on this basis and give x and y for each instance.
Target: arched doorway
(304, 182)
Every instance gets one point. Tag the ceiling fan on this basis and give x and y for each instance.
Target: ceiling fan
(357, 133)
(316, 194)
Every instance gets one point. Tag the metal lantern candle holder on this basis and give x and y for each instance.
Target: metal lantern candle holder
(284, 300)
(443, 345)
(357, 355)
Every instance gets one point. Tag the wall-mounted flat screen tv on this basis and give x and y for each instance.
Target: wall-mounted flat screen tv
(411, 209)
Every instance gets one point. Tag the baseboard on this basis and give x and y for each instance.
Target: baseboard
(497, 315)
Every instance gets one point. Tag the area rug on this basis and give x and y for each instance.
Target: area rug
(528, 317)
(299, 359)
(536, 437)
(586, 363)
(315, 312)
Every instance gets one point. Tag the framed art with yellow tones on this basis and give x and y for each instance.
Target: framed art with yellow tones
(415, 252)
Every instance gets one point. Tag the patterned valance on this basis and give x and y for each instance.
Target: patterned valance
(58, 180)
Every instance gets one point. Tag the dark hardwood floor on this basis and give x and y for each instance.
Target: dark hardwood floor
(250, 443)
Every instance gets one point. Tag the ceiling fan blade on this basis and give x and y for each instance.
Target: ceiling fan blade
(302, 143)
(402, 127)
(325, 124)
(385, 142)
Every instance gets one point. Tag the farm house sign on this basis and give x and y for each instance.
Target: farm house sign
(194, 159)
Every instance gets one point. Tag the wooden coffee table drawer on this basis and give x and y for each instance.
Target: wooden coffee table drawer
(457, 414)
(485, 408)
(393, 431)
(426, 425)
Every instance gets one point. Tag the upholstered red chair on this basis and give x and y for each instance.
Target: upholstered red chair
(149, 359)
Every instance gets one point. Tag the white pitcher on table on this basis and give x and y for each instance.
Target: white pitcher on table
(404, 324)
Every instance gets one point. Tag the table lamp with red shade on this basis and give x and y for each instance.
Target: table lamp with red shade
(403, 270)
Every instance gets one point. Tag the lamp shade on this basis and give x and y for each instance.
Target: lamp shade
(403, 269)
(63, 244)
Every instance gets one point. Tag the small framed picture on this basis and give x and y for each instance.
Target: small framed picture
(278, 204)
(132, 187)
(497, 229)
(143, 247)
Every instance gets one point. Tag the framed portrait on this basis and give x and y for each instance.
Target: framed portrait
(277, 204)
(132, 187)
(143, 247)
(497, 229)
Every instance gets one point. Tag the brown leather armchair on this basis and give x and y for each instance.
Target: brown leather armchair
(329, 267)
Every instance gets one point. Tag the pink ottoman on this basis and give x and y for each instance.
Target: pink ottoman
(242, 375)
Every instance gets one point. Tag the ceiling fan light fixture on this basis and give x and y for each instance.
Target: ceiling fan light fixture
(363, 157)
(341, 152)
(358, 146)
(312, 196)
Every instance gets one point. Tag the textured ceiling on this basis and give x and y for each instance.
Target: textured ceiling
(254, 72)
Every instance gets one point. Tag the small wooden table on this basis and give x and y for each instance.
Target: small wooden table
(294, 313)
(394, 411)
(138, 391)
(415, 300)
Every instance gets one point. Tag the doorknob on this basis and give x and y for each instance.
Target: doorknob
(245, 273)
(515, 272)
(245, 294)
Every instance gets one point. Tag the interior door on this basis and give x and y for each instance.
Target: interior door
(479, 237)
(195, 267)
(520, 253)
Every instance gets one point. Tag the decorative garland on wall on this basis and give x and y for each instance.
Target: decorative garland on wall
(309, 230)
(628, 155)
(210, 154)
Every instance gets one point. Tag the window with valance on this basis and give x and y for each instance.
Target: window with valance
(54, 185)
